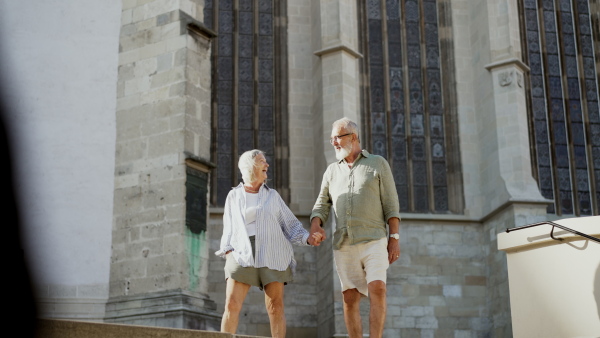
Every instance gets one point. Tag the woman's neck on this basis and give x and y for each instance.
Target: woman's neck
(252, 187)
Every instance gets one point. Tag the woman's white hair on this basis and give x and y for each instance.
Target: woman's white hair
(347, 124)
(247, 163)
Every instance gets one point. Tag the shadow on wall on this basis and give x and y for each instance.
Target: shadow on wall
(23, 311)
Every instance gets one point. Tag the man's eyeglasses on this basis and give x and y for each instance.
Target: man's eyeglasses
(338, 138)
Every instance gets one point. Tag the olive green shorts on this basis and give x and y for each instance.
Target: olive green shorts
(258, 277)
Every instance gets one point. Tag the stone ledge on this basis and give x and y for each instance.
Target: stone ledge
(338, 48)
(78, 329)
(166, 301)
(506, 63)
(175, 308)
(72, 308)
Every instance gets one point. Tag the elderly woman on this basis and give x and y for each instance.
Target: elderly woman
(258, 232)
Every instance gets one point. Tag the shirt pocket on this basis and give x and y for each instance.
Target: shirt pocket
(366, 181)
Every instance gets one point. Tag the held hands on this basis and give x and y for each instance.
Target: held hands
(317, 233)
(315, 239)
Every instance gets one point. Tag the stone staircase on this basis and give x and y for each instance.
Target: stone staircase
(54, 328)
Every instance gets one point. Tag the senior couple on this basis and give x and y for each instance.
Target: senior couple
(259, 230)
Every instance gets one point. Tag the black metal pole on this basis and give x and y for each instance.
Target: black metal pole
(595, 239)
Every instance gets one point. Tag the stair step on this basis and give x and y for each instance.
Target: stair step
(56, 328)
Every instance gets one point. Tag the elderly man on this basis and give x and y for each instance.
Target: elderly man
(362, 191)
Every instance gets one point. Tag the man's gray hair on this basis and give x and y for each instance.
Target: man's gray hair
(347, 124)
(247, 163)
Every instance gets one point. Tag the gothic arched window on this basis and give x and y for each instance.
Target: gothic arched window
(249, 108)
(564, 118)
(409, 102)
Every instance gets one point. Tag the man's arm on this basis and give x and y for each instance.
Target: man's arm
(393, 244)
(317, 228)
(320, 211)
(391, 209)
(387, 193)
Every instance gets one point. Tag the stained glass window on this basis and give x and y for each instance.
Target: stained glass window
(563, 102)
(406, 118)
(246, 78)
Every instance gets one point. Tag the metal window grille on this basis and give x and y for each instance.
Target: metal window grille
(564, 120)
(249, 91)
(409, 113)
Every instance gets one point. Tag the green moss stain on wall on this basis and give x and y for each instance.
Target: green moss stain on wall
(195, 244)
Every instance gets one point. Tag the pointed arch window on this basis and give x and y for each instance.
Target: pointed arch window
(563, 101)
(409, 101)
(249, 108)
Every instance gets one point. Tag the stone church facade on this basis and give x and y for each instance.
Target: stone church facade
(487, 110)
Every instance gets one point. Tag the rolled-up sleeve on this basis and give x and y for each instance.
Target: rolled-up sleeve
(322, 206)
(388, 193)
(227, 230)
(291, 226)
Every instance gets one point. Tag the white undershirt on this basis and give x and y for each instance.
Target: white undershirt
(251, 206)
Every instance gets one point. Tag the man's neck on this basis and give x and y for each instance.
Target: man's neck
(353, 156)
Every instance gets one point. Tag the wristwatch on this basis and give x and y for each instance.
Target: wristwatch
(395, 236)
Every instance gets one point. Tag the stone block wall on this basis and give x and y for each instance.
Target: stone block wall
(302, 129)
(159, 265)
(470, 147)
(438, 287)
(328, 288)
(446, 284)
(197, 93)
(149, 168)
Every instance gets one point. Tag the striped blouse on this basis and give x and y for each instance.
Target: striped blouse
(276, 230)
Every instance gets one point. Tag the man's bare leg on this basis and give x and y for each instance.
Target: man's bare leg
(377, 298)
(352, 313)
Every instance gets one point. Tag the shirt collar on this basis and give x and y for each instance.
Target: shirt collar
(241, 186)
(363, 153)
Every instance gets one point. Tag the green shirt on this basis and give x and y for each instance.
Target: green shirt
(363, 197)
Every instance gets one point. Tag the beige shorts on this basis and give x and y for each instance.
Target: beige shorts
(360, 264)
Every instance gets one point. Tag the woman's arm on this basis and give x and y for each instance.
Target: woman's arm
(225, 246)
(291, 226)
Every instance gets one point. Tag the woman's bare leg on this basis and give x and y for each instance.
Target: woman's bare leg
(274, 304)
(234, 299)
